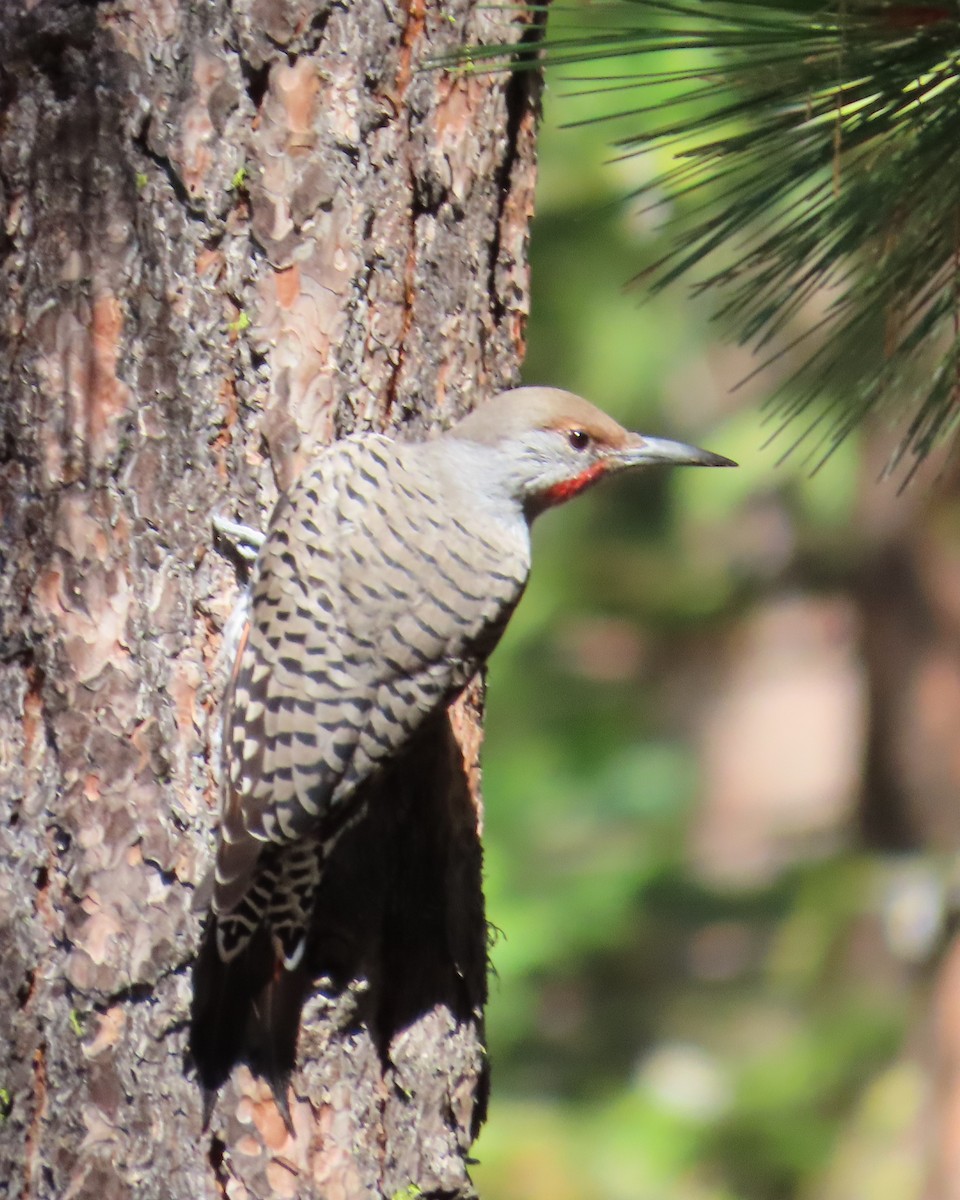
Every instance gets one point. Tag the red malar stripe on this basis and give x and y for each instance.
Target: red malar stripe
(572, 487)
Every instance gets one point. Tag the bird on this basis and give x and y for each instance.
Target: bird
(386, 577)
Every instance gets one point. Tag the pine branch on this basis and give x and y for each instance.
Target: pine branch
(813, 146)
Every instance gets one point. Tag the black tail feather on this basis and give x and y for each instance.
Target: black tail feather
(246, 1010)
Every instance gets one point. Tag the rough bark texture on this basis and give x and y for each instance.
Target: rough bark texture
(231, 229)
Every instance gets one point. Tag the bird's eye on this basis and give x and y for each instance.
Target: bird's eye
(579, 439)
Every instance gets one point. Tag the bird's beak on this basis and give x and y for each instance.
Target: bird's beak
(643, 451)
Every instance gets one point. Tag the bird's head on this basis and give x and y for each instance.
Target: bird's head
(551, 445)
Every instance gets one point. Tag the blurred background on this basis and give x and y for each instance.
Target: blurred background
(722, 771)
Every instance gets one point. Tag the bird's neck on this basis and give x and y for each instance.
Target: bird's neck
(477, 478)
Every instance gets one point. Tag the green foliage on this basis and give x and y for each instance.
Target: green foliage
(620, 1072)
(807, 156)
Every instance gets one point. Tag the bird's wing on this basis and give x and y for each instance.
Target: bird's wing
(371, 607)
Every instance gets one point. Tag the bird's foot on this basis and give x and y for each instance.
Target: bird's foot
(245, 540)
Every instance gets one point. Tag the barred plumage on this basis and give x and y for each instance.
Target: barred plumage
(366, 615)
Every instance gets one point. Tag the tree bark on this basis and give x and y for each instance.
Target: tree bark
(231, 231)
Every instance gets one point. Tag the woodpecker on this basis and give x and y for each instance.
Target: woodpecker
(386, 577)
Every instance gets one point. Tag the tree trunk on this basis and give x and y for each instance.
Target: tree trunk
(231, 231)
